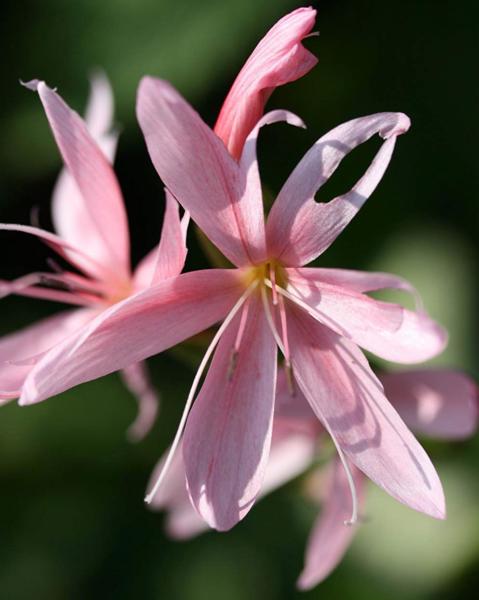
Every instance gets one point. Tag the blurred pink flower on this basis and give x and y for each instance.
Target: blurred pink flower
(440, 404)
(90, 219)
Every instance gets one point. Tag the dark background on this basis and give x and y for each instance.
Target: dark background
(72, 519)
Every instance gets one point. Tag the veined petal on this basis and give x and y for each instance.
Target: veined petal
(278, 59)
(228, 433)
(299, 229)
(439, 403)
(20, 351)
(385, 329)
(168, 259)
(198, 170)
(96, 183)
(331, 537)
(142, 325)
(349, 400)
(137, 380)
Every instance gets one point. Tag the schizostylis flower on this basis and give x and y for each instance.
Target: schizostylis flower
(92, 236)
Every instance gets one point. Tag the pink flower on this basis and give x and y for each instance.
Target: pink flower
(89, 216)
(440, 404)
(316, 317)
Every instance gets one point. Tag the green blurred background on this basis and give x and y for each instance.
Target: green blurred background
(72, 519)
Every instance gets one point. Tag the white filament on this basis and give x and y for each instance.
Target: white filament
(193, 389)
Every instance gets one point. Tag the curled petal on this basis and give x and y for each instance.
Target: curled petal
(331, 537)
(349, 400)
(439, 403)
(299, 229)
(228, 433)
(278, 59)
(200, 173)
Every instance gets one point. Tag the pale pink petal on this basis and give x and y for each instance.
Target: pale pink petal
(349, 400)
(299, 228)
(137, 379)
(198, 170)
(131, 330)
(439, 403)
(182, 520)
(96, 182)
(278, 59)
(293, 448)
(20, 351)
(331, 537)
(228, 433)
(168, 259)
(99, 113)
(386, 329)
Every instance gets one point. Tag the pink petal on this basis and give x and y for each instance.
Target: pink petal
(20, 351)
(70, 218)
(293, 449)
(200, 173)
(330, 537)
(358, 281)
(439, 403)
(228, 433)
(107, 231)
(292, 406)
(388, 330)
(99, 114)
(140, 326)
(348, 399)
(137, 380)
(299, 229)
(168, 259)
(278, 59)
(182, 520)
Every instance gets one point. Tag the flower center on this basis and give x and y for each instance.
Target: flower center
(270, 270)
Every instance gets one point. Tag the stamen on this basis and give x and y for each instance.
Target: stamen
(288, 371)
(349, 476)
(194, 387)
(272, 276)
(316, 314)
(269, 318)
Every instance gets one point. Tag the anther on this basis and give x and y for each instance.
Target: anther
(232, 364)
(288, 370)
